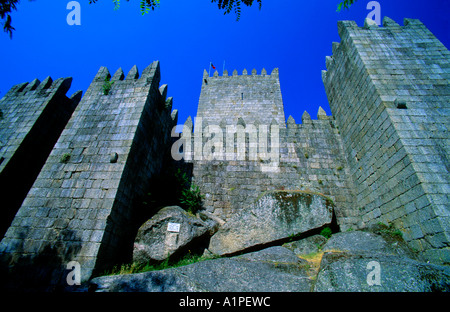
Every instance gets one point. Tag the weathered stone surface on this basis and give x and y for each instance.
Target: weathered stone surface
(353, 260)
(396, 143)
(253, 103)
(348, 272)
(274, 269)
(307, 245)
(155, 241)
(344, 267)
(360, 242)
(276, 215)
(80, 207)
(32, 117)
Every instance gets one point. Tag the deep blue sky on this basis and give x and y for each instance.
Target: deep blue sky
(293, 35)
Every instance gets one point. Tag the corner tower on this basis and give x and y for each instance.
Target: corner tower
(254, 98)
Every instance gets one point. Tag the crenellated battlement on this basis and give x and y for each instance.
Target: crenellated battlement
(118, 83)
(254, 98)
(245, 73)
(33, 116)
(41, 89)
(351, 33)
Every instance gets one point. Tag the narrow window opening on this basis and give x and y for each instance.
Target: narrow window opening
(400, 104)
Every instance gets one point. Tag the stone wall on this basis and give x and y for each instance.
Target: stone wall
(80, 207)
(33, 116)
(254, 98)
(388, 88)
(306, 156)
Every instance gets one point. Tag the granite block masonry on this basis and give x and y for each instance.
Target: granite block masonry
(389, 91)
(33, 115)
(252, 149)
(80, 206)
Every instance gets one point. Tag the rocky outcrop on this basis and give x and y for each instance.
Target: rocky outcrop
(363, 261)
(307, 245)
(349, 261)
(274, 269)
(276, 215)
(168, 231)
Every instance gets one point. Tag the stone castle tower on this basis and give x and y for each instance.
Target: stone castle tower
(34, 115)
(254, 98)
(277, 154)
(389, 90)
(79, 207)
(382, 157)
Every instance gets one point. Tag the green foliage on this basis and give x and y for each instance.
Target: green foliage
(136, 268)
(146, 5)
(6, 7)
(390, 230)
(172, 187)
(234, 5)
(188, 195)
(326, 232)
(65, 158)
(227, 5)
(116, 4)
(345, 4)
(191, 199)
(107, 85)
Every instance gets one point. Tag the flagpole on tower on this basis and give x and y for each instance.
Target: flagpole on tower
(223, 67)
(213, 67)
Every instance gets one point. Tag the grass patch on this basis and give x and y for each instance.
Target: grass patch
(326, 232)
(390, 230)
(166, 264)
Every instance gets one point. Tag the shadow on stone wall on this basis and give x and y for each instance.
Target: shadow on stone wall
(41, 271)
(164, 190)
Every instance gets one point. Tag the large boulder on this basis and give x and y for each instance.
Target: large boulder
(168, 231)
(363, 261)
(275, 215)
(274, 269)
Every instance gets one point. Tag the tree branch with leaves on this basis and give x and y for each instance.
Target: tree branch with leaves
(228, 6)
(234, 5)
(144, 5)
(345, 4)
(6, 7)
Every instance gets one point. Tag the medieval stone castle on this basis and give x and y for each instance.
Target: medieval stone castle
(71, 169)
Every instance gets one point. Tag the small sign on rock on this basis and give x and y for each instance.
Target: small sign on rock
(173, 227)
